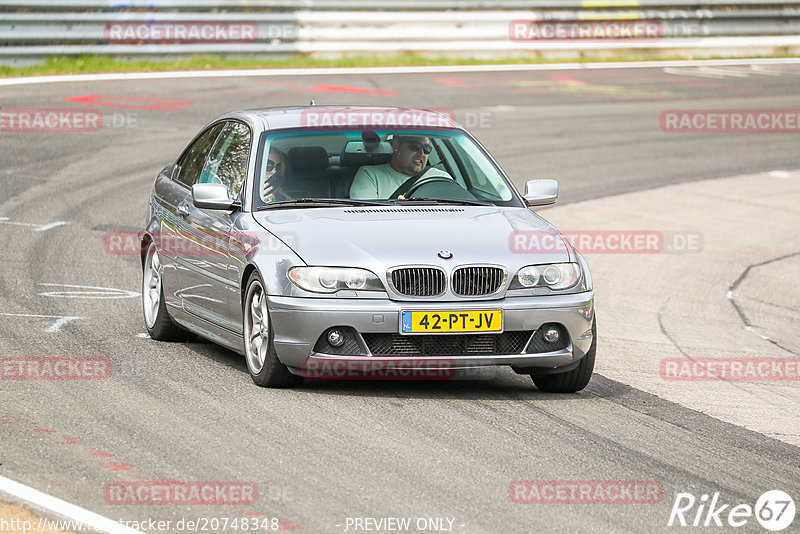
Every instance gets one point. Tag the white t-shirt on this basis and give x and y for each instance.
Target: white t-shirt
(380, 181)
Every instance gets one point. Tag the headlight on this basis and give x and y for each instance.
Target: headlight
(333, 279)
(555, 276)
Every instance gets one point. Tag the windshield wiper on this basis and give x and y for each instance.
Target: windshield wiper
(322, 202)
(435, 201)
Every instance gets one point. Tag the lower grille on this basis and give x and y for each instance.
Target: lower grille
(449, 345)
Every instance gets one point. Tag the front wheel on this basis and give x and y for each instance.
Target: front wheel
(262, 361)
(574, 380)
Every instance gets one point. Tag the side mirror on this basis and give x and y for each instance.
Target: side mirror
(212, 196)
(541, 192)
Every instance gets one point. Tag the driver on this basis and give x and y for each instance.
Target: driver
(409, 157)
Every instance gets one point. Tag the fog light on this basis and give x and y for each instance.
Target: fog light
(551, 335)
(336, 338)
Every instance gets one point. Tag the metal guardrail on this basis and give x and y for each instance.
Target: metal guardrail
(360, 5)
(33, 29)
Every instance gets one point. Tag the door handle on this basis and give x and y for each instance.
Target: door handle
(183, 210)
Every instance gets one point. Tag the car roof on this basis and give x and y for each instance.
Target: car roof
(347, 116)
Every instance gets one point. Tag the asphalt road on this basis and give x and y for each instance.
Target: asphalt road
(327, 452)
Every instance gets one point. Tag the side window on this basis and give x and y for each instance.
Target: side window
(445, 159)
(483, 176)
(194, 158)
(227, 163)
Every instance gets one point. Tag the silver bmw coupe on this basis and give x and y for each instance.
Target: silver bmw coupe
(362, 243)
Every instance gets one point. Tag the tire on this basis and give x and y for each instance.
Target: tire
(265, 368)
(574, 380)
(156, 317)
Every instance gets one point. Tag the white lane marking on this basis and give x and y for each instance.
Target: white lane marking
(727, 71)
(56, 326)
(88, 292)
(61, 320)
(88, 519)
(143, 335)
(753, 330)
(342, 71)
(778, 174)
(36, 227)
(732, 296)
(700, 72)
(766, 70)
(15, 223)
(46, 227)
(500, 108)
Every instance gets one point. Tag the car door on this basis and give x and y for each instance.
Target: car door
(173, 201)
(208, 284)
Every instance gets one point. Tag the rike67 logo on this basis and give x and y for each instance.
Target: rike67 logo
(774, 510)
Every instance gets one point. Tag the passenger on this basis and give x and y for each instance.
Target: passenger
(274, 173)
(409, 157)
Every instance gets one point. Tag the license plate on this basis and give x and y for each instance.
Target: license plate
(446, 322)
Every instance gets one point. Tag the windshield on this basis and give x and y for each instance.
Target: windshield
(377, 167)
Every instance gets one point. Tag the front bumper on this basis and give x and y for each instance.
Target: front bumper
(298, 323)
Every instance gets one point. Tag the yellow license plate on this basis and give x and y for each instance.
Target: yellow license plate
(444, 322)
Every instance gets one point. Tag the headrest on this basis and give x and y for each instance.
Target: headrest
(308, 158)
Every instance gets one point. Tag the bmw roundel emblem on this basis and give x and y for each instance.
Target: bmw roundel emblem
(445, 254)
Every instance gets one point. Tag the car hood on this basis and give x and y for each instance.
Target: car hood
(378, 238)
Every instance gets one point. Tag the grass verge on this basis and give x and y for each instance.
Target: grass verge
(89, 64)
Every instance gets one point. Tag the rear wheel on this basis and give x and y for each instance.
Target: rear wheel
(262, 361)
(574, 380)
(156, 318)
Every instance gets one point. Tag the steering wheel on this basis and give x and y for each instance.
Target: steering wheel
(410, 186)
(428, 181)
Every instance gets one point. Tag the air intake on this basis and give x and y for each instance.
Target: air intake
(404, 210)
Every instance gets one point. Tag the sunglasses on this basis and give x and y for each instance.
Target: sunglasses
(416, 147)
(271, 165)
